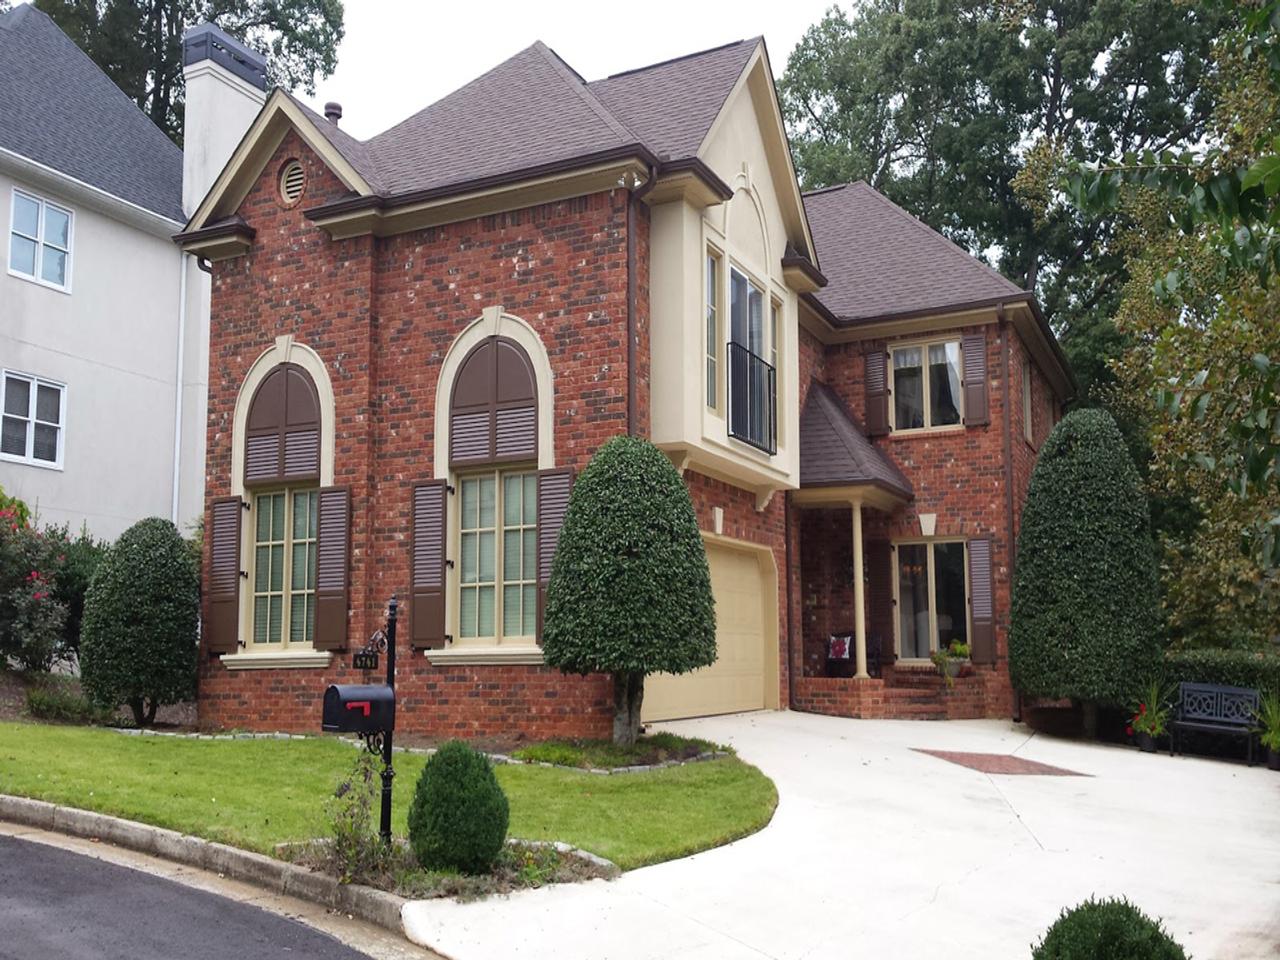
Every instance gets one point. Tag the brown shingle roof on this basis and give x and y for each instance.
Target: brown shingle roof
(833, 451)
(672, 105)
(534, 110)
(882, 262)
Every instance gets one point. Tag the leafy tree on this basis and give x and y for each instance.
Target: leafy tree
(959, 110)
(138, 43)
(1084, 617)
(630, 590)
(138, 638)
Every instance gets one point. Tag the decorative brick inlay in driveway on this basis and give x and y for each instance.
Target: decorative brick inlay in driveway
(1001, 763)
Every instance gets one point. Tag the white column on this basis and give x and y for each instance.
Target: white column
(859, 598)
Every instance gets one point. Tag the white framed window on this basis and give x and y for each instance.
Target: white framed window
(40, 234)
(1028, 412)
(925, 384)
(34, 421)
(498, 571)
(931, 588)
(713, 329)
(284, 567)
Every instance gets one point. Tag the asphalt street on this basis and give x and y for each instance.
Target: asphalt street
(58, 905)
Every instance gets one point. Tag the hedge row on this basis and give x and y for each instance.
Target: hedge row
(1237, 668)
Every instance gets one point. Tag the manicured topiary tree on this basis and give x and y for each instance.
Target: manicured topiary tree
(138, 637)
(459, 814)
(1084, 618)
(1106, 930)
(630, 592)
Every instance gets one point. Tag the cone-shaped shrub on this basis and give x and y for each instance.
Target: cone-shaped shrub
(1106, 930)
(1084, 619)
(459, 814)
(138, 636)
(630, 591)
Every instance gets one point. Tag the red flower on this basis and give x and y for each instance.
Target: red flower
(1129, 731)
(1142, 708)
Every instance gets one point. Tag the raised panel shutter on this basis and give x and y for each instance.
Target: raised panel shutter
(973, 347)
(553, 502)
(282, 442)
(221, 630)
(333, 567)
(493, 411)
(877, 388)
(426, 614)
(982, 641)
(879, 565)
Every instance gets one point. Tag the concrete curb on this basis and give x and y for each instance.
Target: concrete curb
(374, 906)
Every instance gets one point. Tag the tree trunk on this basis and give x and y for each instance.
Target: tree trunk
(628, 694)
(1089, 715)
(144, 711)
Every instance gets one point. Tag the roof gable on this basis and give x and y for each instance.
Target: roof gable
(62, 111)
(834, 451)
(881, 262)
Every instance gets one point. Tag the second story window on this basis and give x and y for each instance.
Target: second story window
(752, 379)
(40, 241)
(926, 385)
(713, 330)
(34, 414)
(1028, 410)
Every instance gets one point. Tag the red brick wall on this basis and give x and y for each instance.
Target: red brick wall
(382, 315)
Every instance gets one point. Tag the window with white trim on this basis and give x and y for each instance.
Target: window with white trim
(498, 572)
(713, 330)
(925, 385)
(34, 420)
(284, 567)
(932, 595)
(40, 241)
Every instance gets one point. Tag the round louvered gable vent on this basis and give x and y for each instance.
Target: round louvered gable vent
(292, 180)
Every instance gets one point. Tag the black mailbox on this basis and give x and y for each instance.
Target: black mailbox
(358, 708)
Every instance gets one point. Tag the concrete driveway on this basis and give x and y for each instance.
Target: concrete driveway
(877, 850)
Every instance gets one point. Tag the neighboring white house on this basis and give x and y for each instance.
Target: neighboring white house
(103, 320)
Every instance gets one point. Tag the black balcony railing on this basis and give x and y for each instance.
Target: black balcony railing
(753, 400)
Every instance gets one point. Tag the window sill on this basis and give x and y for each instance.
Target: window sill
(40, 281)
(486, 656)
(283, 660)
(31, 462)
(926, 431)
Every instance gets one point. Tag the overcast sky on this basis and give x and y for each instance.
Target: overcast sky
(400, 55)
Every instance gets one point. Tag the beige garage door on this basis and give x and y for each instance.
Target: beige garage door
(745, 597)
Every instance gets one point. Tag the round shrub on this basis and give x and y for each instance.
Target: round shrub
(630, 591)
(1106, 930)
(1084, 619)
(459, 814)
(138, 637)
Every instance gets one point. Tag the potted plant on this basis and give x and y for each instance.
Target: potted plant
(951, 660)
(1151, 717)
(1268, 717)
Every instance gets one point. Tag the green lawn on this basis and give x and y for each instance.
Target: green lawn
(257, 793)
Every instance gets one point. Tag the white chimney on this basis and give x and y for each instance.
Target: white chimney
(226, 87)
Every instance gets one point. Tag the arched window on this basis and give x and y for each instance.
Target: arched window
(494, 408)
(282, 441)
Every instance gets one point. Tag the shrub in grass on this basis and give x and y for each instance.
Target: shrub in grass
(138, 639)
(1106, 930)
(630, 590)
(459, 814)
(1085, 603)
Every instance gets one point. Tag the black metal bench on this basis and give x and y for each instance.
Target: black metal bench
(1214, 708)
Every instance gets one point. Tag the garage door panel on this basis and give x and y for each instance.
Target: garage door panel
(735, 682)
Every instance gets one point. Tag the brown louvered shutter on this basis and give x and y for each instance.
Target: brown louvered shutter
(876, 382)
(553, 502)
(282, 441)
(973, 346)
(333, 566)
(493, 413)
(982, 642)
(879, 565)
(426, 615)
(222, 629)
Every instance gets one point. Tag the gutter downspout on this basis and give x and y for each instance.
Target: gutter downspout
(633, 198)
(177, 384)
(1007, 427)
(791, 653)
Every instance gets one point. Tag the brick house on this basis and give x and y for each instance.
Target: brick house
(418, 339)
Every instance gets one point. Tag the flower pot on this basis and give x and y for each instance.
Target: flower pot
(1273, 759)
(954, 667)
(1145, 741)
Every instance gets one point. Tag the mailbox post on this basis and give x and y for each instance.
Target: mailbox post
(369, 710)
